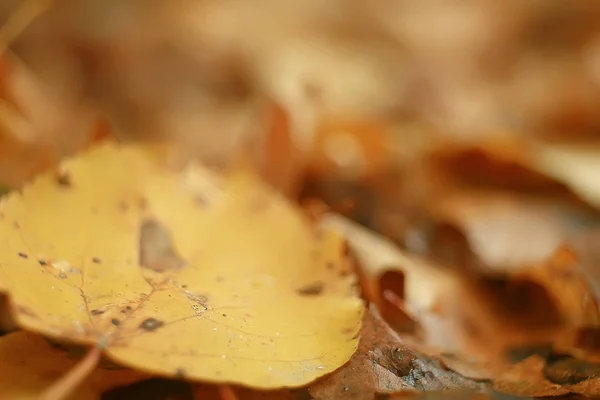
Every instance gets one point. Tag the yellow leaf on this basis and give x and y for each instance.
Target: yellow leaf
(29, 364)
(178, 273)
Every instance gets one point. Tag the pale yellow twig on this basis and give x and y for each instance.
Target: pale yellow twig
(65, 386)
(27, 11)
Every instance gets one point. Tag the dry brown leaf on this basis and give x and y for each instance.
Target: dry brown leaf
(505, 231)
(199, 301)
(37, 126)
(450, 311)
(30, 364)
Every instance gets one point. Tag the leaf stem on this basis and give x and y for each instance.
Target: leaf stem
(226, 392)
(63, 387)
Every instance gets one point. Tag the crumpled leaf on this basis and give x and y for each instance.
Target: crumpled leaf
(384, 363)
(30, 364)
(443, 310)
(503, 230)
(173, 275)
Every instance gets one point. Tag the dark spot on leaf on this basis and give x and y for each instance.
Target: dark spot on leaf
(64, 180)
(123, 207)
(62, 275)
(312, 289)
(23, 255)
(128, 308)
(157, 251)
(143, 203)
(201, 201)
(184, 286)
(198, 299)
(96, 260)
(97, 311)
(259, 204)
(180, 373)
(115, 322)
(567, 370)
(16, 225)
(151, 324)
(220, 279)
(224, 315)
(330, 265)
(42, 262)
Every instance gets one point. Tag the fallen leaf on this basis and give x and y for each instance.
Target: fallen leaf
(223, 298)
(535, 377)
(30, 364)
(504, 230)
(384, 363)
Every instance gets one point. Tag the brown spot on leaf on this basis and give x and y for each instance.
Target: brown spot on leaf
(151, 324)
(98, 311)
(42, 262)
(96, 260)
(180, 373)
(143, 203)
(123, 207)
(259, 204)
(312, 289)
(23, 255)
(198, 298)
(64, 180)
(157, 251)
(201, 201)
(115, 322)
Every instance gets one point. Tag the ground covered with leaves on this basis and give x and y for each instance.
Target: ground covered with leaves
(340, 200)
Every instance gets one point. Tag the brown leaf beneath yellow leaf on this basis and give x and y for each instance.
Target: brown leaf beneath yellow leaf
(30, 364)
(173, 274)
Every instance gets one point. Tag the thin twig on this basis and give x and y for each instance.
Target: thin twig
(27, 11)
(65, 386)
(226, 392)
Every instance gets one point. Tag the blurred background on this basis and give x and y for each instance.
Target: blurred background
(466, 131)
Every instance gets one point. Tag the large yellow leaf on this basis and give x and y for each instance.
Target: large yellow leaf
(29, 364)
(178, 273)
